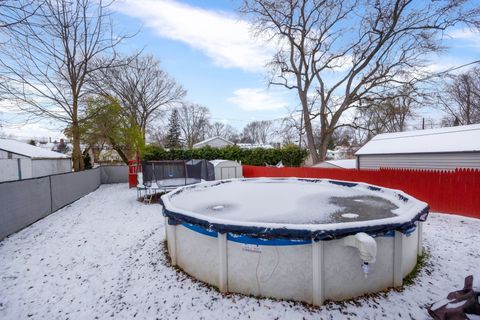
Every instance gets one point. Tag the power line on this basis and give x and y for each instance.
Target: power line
(434, 75)
(428, 77)
(448, 70)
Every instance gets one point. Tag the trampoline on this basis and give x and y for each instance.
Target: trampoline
(162, 176)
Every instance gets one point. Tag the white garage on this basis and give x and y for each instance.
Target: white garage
(20, 160)
(443, 148)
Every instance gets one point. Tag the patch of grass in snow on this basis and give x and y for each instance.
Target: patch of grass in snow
(422, 262)
(156, 198)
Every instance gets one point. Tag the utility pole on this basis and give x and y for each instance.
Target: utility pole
(301, 126)
(300, 129)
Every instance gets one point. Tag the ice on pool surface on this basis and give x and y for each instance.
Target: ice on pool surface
(284, 201)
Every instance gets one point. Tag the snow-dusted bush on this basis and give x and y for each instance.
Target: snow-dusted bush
(291, 156)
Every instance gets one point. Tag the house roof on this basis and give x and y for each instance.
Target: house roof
(453, 139)
(28, 150)
(211, 139)
(254, 145)
(344, 163)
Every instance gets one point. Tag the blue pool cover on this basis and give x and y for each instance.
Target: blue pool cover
(242, 233)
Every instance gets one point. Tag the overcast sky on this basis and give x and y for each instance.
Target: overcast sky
(208, 49)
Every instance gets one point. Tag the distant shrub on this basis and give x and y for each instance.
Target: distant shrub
(291, 156)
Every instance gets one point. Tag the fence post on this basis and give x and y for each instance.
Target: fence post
(19, 169)
(51, 193)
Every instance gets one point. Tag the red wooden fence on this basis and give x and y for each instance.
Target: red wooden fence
(455, 192)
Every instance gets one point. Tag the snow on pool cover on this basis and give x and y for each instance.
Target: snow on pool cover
(293, 208)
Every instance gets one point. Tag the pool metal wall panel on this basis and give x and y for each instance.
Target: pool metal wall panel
(344, 277)
(262, 270)
(197, 254)
(410, 252)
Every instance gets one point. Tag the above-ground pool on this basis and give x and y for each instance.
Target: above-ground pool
(301, 239)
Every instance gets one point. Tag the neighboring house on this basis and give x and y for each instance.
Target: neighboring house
(338, 164)
(444, 148)
(219, 142)
(62, 147)
(46, 145)
(215, 142)
(254, 145)
(331, 154)
(109, 155)
(341, 152)
(20, 160)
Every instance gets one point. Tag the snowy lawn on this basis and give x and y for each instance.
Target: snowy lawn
(102, 258)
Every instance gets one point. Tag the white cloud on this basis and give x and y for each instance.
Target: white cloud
(30, 131)
(18, 124)
(254, 99)
(469, 36)
(444, 63)
(219, 35)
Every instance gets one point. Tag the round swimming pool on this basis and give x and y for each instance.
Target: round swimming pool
(301, 239)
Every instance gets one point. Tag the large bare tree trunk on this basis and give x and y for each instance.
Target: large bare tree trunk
(308, 127)
(121, 154)
(77, 158)
(324, 141)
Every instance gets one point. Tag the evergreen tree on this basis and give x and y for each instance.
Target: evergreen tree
(87, 160)
(456, 122)
(173, 135)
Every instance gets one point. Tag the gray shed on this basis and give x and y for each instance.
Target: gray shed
(227, 169)
(20, 160)
(443, 148)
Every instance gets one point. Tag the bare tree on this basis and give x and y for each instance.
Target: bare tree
(142, 87)
(48, 61)
(291, 129)
(343, 137)
(343, 50)
(194, 123)
(387, 113)
(224, 130)
(257, 131)
(14, 12)
(460, 98)
(217, 129)
(158, 136)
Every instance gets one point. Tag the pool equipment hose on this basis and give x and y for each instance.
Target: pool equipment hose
(366, 246)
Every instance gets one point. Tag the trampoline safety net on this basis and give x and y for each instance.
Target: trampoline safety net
(176, 173)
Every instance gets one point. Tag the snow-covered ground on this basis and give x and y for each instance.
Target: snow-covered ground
(102, 258)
